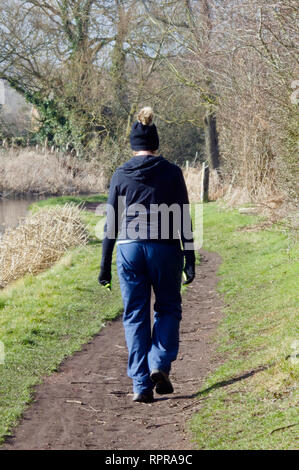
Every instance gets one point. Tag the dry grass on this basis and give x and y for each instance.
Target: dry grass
(39, 241)
(43, 172)
(269, 203)
(193, 178)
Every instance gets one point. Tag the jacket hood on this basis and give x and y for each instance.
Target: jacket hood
(143, 167)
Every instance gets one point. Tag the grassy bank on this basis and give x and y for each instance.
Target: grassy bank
(250, 401)
(61, 200)
(45, 318)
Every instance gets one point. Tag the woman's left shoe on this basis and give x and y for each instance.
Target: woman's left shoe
(162, 382)
(145, 397)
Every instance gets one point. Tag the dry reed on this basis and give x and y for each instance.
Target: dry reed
(193, 178)
(43, 172)
(39, 241)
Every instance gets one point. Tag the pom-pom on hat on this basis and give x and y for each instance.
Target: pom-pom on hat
(144, 134)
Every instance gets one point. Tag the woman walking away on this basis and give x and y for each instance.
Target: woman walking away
(148, 213)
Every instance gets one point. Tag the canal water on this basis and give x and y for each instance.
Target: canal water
(12, 210)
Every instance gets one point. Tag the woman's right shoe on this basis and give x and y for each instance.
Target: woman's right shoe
(161, 379)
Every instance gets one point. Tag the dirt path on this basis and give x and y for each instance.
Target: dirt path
(88, 403)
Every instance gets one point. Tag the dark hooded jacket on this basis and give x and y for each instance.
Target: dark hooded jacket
(137, 190)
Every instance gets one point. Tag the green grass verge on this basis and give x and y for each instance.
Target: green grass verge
(45, 318)
(250, 401)
(61, 200)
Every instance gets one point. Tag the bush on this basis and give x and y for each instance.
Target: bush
(39, 241)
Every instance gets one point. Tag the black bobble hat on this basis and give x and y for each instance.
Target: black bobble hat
(144, 137)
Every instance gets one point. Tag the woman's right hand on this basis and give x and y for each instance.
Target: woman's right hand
(105, 277)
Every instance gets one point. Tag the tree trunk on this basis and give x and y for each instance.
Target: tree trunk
(205, 177)
(211, 139)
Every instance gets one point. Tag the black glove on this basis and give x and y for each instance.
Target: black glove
(105, 277)
(189, 269)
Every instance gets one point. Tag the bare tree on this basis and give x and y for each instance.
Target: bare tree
(190, 24)
(240, 59)
(70, 59)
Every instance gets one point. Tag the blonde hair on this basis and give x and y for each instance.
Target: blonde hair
(146, 115)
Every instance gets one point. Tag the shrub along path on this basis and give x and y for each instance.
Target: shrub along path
(88, 404)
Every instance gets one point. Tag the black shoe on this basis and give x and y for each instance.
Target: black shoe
(161, 379)
(145, 397)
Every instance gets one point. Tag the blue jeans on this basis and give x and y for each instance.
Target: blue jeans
(143, 265)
